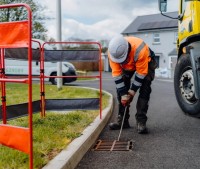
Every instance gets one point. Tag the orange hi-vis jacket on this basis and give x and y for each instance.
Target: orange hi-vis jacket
(137, 61)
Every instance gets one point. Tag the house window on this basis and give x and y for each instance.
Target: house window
(156, 38)
(175, 37)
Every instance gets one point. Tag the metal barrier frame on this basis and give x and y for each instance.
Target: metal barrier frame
(25, 142)
(42, 76)
(7, 132)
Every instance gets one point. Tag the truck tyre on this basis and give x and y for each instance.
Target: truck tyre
(184, 87)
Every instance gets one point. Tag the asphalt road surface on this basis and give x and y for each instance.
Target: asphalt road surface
(173, 141)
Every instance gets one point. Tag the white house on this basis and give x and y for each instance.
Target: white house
(160, 33)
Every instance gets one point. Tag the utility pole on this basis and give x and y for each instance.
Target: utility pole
(59, 39)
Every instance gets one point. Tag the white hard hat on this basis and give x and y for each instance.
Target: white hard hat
(118, 49)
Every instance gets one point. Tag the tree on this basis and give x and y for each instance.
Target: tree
(17, 14)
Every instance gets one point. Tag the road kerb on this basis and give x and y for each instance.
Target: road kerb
(71, 156)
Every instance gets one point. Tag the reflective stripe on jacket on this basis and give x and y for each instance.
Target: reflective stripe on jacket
(137, 62)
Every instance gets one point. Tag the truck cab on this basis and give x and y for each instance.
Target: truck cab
(189, 21)
(187, 70)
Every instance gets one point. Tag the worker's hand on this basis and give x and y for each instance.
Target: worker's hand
(132, 93)
(126, 99)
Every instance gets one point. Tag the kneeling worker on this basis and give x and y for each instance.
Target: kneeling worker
(131, 57)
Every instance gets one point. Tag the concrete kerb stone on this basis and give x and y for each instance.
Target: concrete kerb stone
(71, 156)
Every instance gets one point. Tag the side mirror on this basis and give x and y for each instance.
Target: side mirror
(162, 4)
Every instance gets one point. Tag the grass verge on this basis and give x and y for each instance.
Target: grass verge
(52, 133)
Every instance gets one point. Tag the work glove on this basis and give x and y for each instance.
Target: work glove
(131, 93)
(126, 99)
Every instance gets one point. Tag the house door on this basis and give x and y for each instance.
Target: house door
(172, 65)
(173, 62)
(157, 59)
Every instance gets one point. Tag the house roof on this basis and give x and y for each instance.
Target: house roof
(152, 22)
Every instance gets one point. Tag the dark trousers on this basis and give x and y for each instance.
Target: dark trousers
(144, 93)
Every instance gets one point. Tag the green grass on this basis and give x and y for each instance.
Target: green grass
(17, 93)
(52, 133)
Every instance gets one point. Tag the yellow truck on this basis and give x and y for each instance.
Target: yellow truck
(187, 70)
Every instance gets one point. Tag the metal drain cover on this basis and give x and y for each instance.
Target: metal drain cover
(103, 145)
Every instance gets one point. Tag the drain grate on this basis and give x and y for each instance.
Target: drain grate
(102, 145)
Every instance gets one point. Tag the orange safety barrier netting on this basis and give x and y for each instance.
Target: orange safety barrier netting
(15, 137)
(14, 34)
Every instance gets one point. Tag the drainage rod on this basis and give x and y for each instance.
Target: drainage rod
(120, 132)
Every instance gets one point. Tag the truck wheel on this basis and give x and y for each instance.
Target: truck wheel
(53, 80)
(184, 87)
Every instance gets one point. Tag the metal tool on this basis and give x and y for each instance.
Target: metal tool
(120, 132)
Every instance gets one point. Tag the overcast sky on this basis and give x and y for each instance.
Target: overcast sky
(98, 19)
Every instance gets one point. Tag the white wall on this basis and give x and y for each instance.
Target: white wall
(167, 44)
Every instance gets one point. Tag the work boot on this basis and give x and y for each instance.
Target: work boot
(141, 128)
(117, 125)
